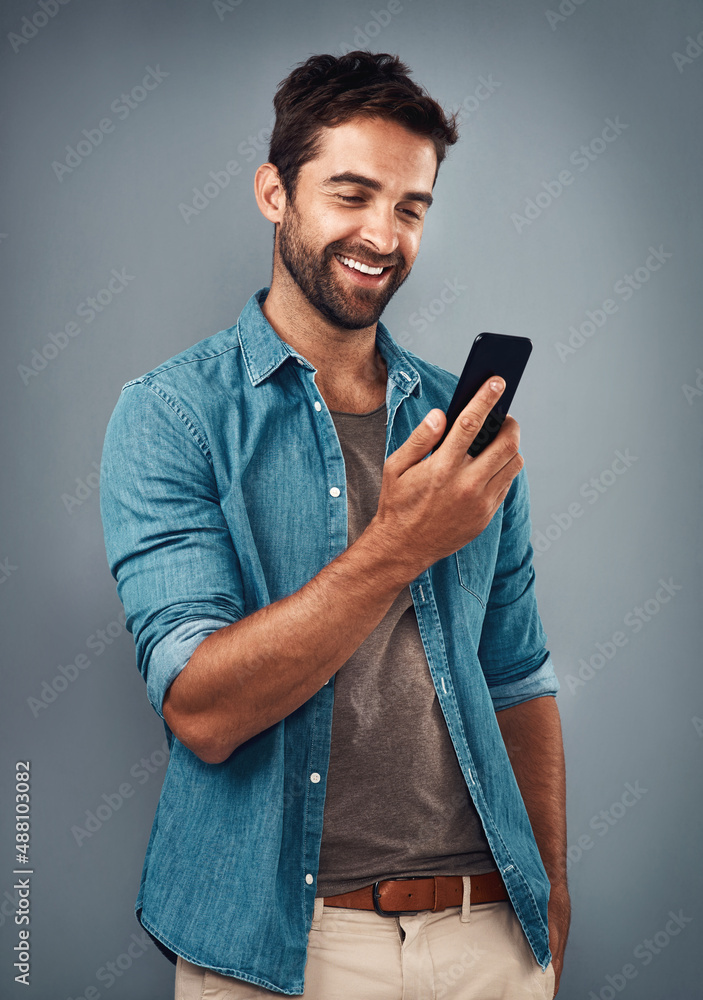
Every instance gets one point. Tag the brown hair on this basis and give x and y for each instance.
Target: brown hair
(327, 90)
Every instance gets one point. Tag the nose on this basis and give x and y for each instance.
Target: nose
(379, 229)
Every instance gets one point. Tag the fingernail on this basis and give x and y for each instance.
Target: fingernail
(432, 420)
(496, 384)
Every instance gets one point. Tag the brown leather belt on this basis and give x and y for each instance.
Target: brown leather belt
(392, 896)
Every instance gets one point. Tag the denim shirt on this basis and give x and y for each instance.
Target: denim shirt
(223, 489)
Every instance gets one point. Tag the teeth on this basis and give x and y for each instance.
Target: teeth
(350, 262)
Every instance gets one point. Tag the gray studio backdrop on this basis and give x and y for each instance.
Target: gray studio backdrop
(569, 211)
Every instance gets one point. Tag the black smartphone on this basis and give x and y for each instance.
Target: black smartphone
(490, 354)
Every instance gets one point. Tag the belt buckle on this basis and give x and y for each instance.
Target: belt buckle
(376, 896)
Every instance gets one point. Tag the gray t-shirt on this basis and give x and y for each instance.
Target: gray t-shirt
(396, 801)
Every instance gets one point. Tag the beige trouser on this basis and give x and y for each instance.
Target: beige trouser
(461, 953)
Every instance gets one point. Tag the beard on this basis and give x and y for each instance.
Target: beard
(351, 307)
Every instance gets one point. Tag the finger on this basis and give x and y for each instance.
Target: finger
(503, 453)
(501, 482)
(423, 438)
(469, 422)
(502, 449)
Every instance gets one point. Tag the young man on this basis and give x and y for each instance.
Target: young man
(365, 792)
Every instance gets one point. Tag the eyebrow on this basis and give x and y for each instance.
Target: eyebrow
(374, 185)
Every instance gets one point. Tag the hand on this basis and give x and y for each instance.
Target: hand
(429, 509)
(559, 921)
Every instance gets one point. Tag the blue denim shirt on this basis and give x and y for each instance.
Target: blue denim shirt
(223, 489)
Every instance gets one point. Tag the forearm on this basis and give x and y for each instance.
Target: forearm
(532, 736)
(249, 675)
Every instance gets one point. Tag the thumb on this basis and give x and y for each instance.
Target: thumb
(422, 439)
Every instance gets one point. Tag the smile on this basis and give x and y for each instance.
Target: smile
(358, 266)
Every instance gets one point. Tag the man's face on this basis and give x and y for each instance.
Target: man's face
(363, 199)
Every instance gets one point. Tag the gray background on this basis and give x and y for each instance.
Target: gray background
(633, 717)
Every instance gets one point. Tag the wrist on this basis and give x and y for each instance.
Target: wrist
(560, 908)
(387, 559)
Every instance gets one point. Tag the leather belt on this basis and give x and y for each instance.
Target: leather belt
(392, 896)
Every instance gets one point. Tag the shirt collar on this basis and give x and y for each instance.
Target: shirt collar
(264, 351)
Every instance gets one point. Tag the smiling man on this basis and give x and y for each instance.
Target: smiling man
(365, 791)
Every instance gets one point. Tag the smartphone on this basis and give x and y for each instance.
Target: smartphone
(490, 354)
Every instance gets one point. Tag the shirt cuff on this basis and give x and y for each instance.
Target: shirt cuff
(171, 653)
(542, 681)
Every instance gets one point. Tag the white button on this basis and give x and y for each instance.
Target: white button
(314, 777)
(300, 361)
(318, 406)
(308, 878)
(334, 492)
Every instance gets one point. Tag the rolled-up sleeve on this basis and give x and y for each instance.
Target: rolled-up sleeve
(167, 542)
(512, 652)
(171, 653)
(542, 681)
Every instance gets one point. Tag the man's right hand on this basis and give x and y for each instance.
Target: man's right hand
(429, 509)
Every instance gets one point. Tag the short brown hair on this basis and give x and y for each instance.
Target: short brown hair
(327, 90)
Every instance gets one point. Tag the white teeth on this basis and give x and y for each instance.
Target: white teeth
(350, 262)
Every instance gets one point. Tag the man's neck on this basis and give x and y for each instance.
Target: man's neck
(351, 372)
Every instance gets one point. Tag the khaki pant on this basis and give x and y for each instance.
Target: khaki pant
(461, 953)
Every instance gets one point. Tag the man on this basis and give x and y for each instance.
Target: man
(365, 792)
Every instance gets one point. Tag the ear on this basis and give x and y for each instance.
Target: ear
(268, 189)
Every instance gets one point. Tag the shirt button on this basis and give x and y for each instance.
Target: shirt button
(318, 406)
(335, 491)
(299, 360)
(314, 777)
(308, 878)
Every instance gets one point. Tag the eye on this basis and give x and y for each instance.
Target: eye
(356, 198)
